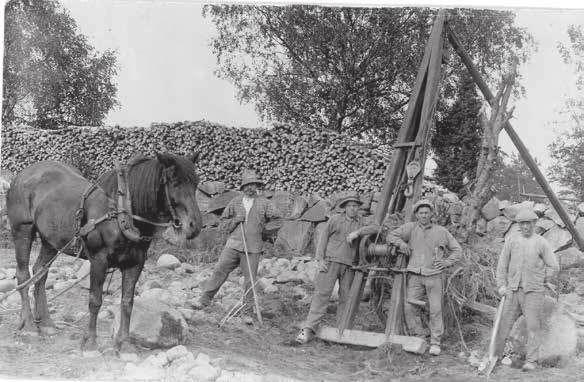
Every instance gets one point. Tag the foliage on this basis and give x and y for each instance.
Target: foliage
(347, 69)
(567, 150)
(513, 177)
(456, 142)
(52, 76)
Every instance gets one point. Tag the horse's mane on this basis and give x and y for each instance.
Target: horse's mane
(145, 181)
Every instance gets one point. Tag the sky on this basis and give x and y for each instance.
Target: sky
(167, 66)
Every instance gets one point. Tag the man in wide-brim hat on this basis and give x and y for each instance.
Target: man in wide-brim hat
(336, 253)
(430, 249)
(252, 212)
(522, 279)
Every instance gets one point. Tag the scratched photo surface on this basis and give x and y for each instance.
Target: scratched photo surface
(261, 191)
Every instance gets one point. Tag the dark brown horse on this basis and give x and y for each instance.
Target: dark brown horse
(43, 199)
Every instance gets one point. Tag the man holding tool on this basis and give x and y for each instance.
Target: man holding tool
(243, 219)
(336, 253)
(521, 280)
(427, 246)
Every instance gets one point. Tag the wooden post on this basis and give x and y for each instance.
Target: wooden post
(516, 140)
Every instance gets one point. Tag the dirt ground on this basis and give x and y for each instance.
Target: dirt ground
(262, 350)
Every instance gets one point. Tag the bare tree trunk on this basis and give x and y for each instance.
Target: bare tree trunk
(481, 191)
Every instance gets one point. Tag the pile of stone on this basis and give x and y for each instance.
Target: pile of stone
(497, 221)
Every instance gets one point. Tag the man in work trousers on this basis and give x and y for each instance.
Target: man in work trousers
(252, 211)
(336, 253)
(521, 278)
(426, 244)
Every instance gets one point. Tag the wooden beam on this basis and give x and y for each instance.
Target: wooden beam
(523, 151)
(528, 195)
(371, 339)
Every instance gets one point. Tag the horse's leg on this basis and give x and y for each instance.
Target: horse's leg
(23, 235)
(97, 272)
(46, 325)
(129, 279)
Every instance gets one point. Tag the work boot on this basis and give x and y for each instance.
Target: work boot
(529, 366)
(305, 336)
(434, 350)
(201, 303)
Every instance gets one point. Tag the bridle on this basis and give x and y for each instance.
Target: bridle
(123, 212)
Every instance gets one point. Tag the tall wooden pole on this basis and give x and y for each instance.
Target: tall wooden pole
(516, 140)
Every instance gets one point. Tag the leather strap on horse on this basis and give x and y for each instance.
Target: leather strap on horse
(124, 214)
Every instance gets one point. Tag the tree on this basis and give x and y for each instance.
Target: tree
(482, 189)
(347, 69)
(513, 177)
(567, 150)
(52, 76)
(456, 142)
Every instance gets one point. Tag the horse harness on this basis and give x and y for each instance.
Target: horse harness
(123, 213)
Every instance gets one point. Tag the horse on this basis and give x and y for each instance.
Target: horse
(41, 201)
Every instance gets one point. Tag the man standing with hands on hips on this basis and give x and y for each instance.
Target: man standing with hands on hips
(426, 245)
(252, 211)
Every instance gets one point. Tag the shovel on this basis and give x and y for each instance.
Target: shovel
(492, 357)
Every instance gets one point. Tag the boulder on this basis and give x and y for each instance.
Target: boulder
(173, 298)
(176, 353)
(543, 225)
(553, 215)
(143, 372)
(284, 202)
(558, 238)
(289, 276)
(511, 210)
(580, 209)
(570, 257)
(559, 337)
(213, 187)
(298, 207)
(154, 324)
(491, 209)
(219, 202)
(202, 201)
(580, 225)
(168, 261)
(271, 229)
(7, 285)
(481, 227)
(317, 213)
(540, 209)
(498, 226)
(504, 204)
(294, 236)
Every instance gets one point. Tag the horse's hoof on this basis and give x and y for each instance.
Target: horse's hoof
(48, 330)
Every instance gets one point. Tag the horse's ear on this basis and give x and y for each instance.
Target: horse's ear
(165, 159)
(195, 157)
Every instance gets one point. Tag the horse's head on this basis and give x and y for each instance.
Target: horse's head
(179, 186)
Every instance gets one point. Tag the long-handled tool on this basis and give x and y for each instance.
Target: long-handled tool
(236, 308)
(492, 360)
(255, 297)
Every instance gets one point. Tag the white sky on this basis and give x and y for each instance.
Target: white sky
(166, 64)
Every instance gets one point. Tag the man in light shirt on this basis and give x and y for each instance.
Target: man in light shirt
(430, 249)
(252, 211)
(521, 278)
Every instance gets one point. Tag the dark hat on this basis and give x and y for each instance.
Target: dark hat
(349, 197)
(250, 176)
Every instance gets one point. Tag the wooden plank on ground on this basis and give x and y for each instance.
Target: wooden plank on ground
(371, 339)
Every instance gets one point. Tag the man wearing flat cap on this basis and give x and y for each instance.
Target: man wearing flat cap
(521, 278)
(252, 212)
(430, 249)
(336, 254)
